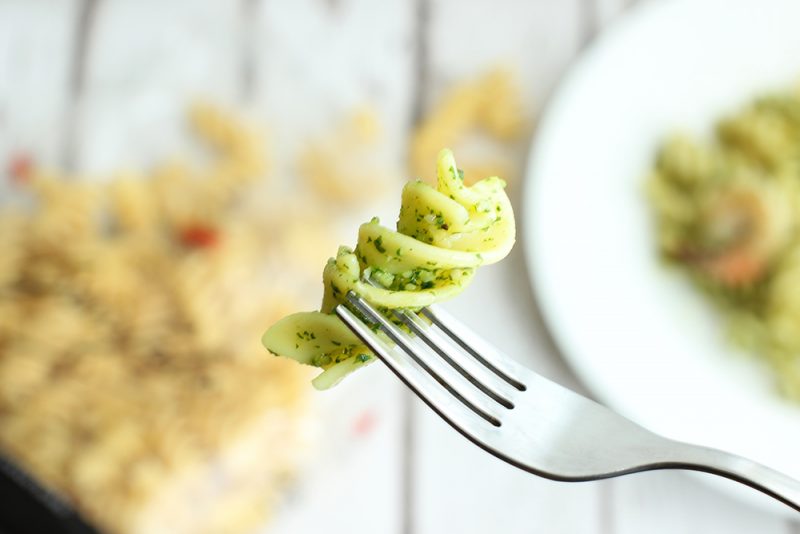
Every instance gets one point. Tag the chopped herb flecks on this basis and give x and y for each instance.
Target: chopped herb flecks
(305, 335)
(379, 245)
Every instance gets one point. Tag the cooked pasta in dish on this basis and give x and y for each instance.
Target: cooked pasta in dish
(728, 213)
(132, 382)
(443, 234)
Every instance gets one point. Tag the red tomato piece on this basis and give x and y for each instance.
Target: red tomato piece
(199, 236)
(20, 168)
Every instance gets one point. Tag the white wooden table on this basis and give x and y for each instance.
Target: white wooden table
(97, 84)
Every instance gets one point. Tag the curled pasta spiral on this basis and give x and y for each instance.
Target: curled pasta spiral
(443, 234)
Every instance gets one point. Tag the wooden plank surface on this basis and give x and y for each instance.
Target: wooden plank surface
(301, 67)
(146, 62)
(37, 42)
(316, 62)
(672, 501)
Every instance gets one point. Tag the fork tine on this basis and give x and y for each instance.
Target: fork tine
(431, 364)
(448, 407)
(500, 365)
(481, 377)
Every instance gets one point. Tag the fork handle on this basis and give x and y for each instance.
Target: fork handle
(766, 480)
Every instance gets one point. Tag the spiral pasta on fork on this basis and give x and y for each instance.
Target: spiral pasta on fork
(443, 234)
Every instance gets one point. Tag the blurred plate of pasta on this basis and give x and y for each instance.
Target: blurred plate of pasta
(638, 332)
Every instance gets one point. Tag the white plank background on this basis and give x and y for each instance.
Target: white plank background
(37, 61)
(101, 84)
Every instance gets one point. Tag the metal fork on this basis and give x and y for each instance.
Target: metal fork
(527, 420)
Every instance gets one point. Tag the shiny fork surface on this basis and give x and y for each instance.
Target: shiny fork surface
(525, 419)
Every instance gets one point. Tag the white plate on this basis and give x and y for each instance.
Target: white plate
(640, 337)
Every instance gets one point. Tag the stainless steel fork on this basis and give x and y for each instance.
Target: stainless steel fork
(527, 420)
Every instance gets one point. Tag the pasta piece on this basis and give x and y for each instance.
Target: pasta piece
(443, 234)
(490, 105)
(349, 167)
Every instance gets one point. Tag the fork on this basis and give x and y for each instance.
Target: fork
(525, 419)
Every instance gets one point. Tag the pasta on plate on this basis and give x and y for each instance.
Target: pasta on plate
(728, 212)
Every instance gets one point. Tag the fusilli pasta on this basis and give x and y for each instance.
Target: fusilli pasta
(443, 234)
